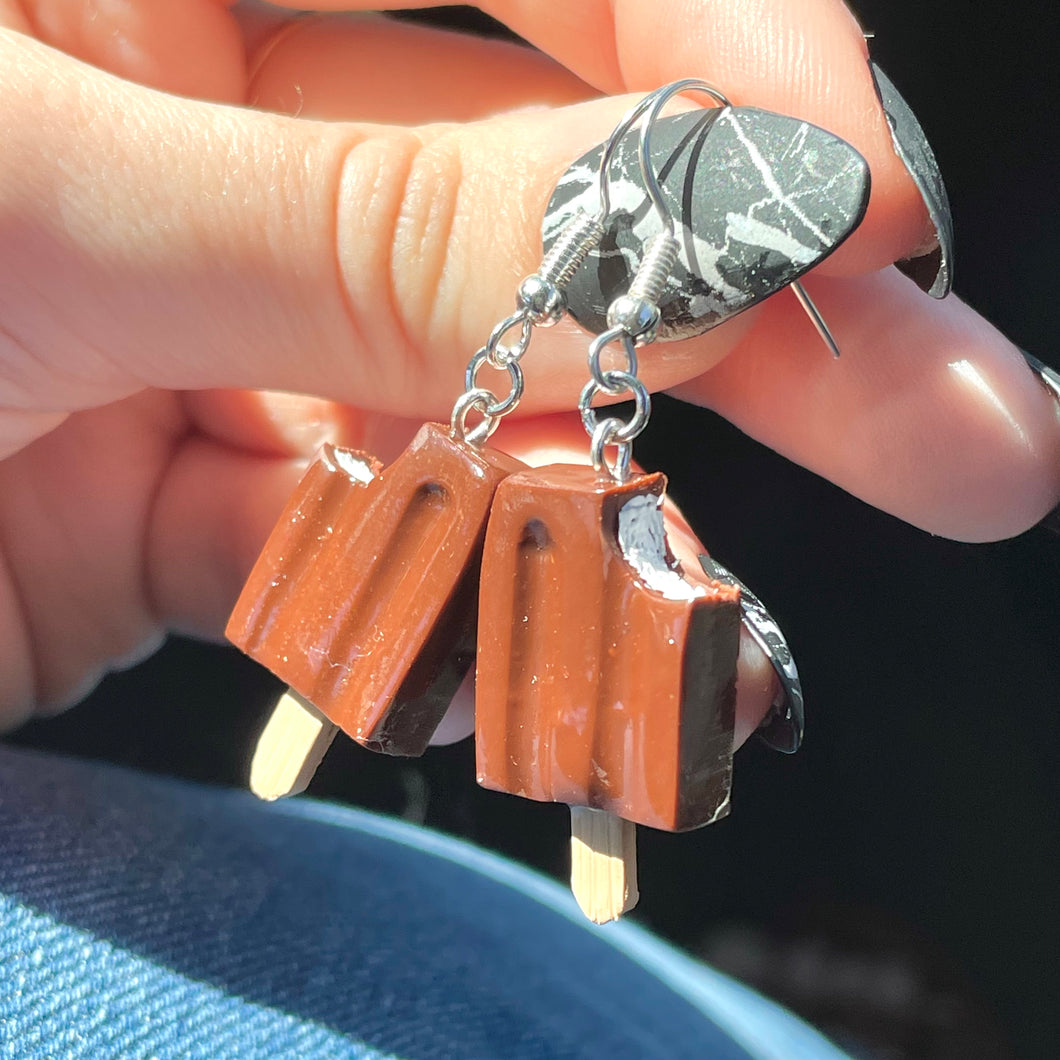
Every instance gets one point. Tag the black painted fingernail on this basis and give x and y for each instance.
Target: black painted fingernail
(1050, 379)
(931, 272)
(782, 728)
(757, 199)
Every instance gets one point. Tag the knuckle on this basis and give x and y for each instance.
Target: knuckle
(398, 207)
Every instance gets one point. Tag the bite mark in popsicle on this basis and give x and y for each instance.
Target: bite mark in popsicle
(606, 675)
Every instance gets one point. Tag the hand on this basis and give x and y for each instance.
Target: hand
(162, 251)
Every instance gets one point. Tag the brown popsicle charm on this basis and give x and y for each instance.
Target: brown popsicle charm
(606, 676)
(364, 601)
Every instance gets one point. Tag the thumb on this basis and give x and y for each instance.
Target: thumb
(150, 240)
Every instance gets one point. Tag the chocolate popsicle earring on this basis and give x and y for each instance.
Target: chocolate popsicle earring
(757, 199)
(606, 677)
(364, 597)
(605, 672)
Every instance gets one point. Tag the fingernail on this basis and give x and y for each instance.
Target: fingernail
(782, 728)
(757, 198)
(1050, 379)
(931, 272)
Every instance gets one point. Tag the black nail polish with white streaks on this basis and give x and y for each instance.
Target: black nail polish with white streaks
(757, 199)
(932, 272)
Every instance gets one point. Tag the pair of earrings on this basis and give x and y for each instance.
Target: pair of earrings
(605, 674)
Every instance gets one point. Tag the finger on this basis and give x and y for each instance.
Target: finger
(14, 17)
(72, 579)
(274, 423)
(929, 414)
(370, 68)
(806, 59)
(190, 47)
(323, 66)
(230, 248)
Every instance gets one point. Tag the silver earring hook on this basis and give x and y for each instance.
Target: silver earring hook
(656, 101)
(633, 318)
(628, 121)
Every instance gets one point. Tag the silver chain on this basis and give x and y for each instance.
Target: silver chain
(633, 318)
(540, 302)
(634, 321)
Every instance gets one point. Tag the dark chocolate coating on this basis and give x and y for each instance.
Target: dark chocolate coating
(594, 689)
(364, 598)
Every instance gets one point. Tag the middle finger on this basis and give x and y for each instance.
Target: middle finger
(368, 68)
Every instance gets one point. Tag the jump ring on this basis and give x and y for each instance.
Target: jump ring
(596, 350)
(618, 382)
(604, 434)
(501, 356)
(515, 375)
(474, 398)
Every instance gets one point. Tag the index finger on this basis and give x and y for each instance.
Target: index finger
(808, 60)
(198, 245)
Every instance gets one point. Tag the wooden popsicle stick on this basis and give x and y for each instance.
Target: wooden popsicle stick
(290, 748)
(603, 863)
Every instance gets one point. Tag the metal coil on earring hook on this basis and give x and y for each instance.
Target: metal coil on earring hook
(570, 250)
(633, 317)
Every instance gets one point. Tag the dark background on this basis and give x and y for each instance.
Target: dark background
(896, 881)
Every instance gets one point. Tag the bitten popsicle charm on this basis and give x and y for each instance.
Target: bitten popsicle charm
(364, 598)
(606, 675)
(605, 672)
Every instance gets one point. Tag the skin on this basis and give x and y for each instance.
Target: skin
(203, 205)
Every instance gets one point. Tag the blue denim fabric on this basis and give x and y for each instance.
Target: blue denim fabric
(142, 917)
